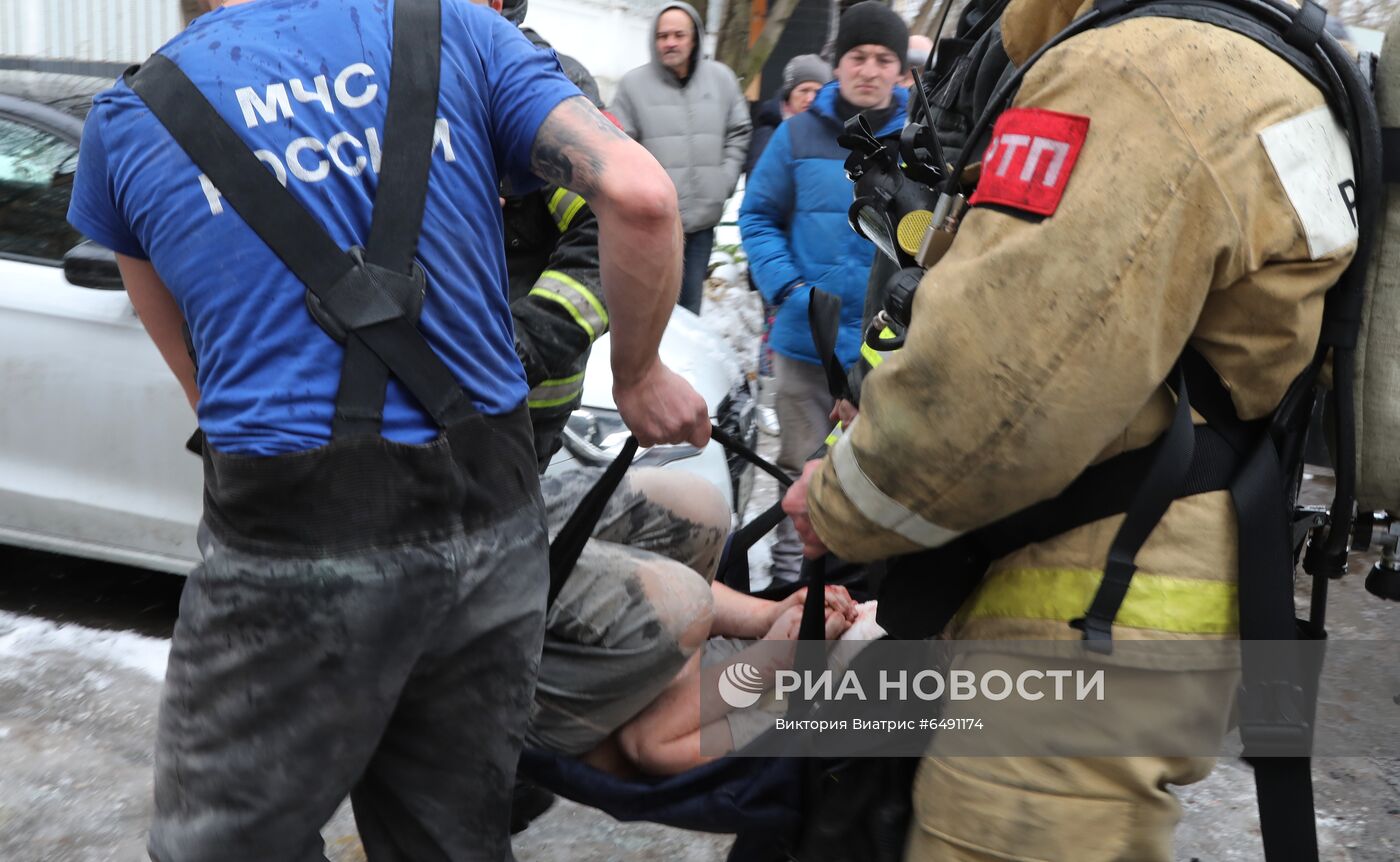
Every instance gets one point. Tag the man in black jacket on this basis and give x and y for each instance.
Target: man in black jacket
(551, 240)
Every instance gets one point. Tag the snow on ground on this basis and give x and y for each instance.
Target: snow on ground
(31, 637)
(734, 312)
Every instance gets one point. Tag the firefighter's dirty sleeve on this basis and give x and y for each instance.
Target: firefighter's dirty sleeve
(1038, 341)
(564, 312)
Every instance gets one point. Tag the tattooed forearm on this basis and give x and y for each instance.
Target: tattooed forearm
(568, 147)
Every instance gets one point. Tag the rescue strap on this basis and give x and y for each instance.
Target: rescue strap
(734, 560)
(564, 551)
(824, 316)
(368, 298)
(824, 319)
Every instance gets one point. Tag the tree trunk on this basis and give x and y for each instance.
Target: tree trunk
(926, 22)
(751, 64)
(732, 40)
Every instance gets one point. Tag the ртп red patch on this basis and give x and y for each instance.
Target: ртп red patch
(1028, 163)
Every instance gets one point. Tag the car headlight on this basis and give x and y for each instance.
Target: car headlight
(596, 436)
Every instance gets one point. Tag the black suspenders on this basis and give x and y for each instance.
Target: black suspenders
(367, 298)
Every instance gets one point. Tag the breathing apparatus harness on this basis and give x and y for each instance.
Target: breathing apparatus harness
(909, 202)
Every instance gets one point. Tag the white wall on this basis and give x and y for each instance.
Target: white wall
(607, 36)
(124, 31)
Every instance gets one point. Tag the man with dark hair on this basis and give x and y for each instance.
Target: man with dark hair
(369, 612)
(797, 237)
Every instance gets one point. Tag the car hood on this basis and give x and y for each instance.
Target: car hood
(688, 347)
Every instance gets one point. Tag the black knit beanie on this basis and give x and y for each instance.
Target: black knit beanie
(871, 23)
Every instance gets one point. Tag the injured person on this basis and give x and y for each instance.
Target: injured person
(627, 636)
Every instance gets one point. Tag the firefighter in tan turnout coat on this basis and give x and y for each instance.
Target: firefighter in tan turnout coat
(1156, 183)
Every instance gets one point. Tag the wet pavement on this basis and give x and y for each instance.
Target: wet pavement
(82, 647)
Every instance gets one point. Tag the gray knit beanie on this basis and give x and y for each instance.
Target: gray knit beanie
(803, 68)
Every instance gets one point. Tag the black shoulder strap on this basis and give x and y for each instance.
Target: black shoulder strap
(1276, 696)
(409, 122)
(1230, 18)
(1164, 482)
(824, 319)
(362, 295)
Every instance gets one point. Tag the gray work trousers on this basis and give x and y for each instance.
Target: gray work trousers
(367, 620)
(803, 402)
(400, 675)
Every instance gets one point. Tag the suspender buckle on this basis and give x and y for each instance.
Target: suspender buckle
(1098, 633)
(366, 295)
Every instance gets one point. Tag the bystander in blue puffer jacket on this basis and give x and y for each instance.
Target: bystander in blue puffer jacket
(794, 227)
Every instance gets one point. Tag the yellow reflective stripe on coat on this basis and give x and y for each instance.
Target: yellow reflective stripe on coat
(578, 300)
(555, 393)
(874, 357)
(1162, 602)
(835, 435)
(563, 206)
(880, 508)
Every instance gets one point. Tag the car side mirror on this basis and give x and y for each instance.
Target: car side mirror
(88, 264)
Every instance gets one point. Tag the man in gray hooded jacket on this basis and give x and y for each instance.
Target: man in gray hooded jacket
(688, 111)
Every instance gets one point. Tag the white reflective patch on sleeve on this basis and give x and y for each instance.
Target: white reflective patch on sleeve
(1311, 156)
(878, 506)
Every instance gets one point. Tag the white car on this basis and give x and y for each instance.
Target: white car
(93, 426)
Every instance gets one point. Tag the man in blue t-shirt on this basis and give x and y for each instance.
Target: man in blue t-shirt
(368, 616)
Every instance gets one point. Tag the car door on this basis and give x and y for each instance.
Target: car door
(92, 423)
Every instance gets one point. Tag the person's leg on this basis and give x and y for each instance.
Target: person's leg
(673, 513)
(1048, 809)
(283, 674)
(804, 404)
(767, 416)
(1068, 809)
(439, 785)
(623, 625)
(698, 246)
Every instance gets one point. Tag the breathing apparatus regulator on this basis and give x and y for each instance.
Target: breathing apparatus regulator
(897, 203)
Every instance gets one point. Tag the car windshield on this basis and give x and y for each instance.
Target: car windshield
(36, 181)
(37, 166)
(71, 94)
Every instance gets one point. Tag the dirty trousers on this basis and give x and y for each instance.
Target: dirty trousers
(398, 671)
(803, 402)
(612, 638)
